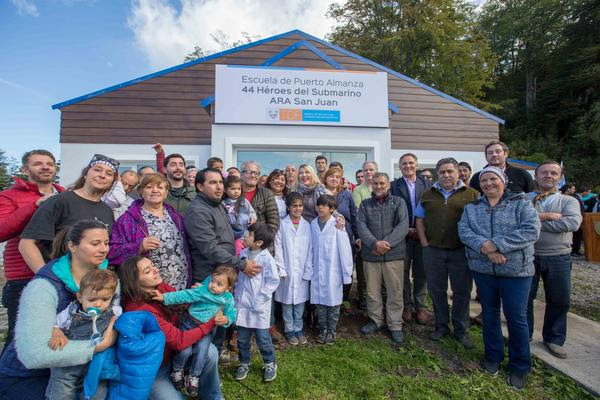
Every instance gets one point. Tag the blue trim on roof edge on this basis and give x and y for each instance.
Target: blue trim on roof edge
(393, 107)
(270, 39)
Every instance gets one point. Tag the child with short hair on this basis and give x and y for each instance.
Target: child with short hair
(253, 300)
(332, 267)
(293, 255)
(240, 212)
(212, 297)
(87, 317)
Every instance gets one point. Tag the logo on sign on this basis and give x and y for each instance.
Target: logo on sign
(272, 114)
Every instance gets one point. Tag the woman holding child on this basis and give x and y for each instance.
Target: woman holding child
(153, 228)
(51, 291)
(141, 282)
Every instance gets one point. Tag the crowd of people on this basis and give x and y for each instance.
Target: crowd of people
(183, 264)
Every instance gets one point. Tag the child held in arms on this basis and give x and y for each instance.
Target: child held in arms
(213, 298)
(95, 308)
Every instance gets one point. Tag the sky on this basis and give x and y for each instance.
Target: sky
(56, 50)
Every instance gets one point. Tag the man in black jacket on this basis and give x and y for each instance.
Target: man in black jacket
(410, 187)
(496, 153)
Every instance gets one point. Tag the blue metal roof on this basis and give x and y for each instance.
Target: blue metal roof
(272, 60)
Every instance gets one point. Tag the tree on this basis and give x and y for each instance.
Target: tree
(435, 42)
(4, 170)
(223, 40)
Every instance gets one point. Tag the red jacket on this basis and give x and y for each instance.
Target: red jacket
(17, 206)
(176, 339)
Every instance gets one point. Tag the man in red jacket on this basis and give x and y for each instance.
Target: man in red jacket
(17, 206)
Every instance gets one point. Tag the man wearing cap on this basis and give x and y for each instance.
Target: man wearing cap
(560, 216)
(496, 153)
(63, 210)
(444, 257)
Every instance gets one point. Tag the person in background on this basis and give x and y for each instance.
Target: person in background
(499, 231)
(234, 171)
(444, 256)
(24, 363)
(145, 170)
(276, 181)
(262, 180)
(561, 216)
(17, 206)
(253, 300)
(151, 227)
(361, 193)
(579, 195)
(291, 174)
(410, 188)
(496, 153)
(568, 188)
(215, 162)
(118, 198)
(427, 175)
(81, 201)
(173, 166)
(346, 184)
(321, 166)
(383, 222)
(464, 172)
(346, 207)
(190, 175)
(360, 178)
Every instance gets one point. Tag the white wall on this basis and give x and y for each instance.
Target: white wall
(428, 158)
(227, 138)
(75, 156)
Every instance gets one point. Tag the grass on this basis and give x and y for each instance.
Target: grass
(374, 369)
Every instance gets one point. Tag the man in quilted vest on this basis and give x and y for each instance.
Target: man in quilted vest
(17, 205)
(437, 217)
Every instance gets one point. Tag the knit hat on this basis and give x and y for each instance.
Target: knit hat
(107, 161)
(493, 170)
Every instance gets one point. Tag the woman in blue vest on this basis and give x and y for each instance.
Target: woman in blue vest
(24, 365)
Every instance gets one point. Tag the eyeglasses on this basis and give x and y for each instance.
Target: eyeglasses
(249, 172)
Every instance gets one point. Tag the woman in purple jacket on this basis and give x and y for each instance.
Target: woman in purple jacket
(152, 228)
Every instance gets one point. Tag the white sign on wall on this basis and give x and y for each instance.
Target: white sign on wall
(293, 96)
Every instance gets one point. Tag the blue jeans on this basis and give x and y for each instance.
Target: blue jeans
(209, 386)
(198, 351)
(512, 294)
(292, 319)
(32, 388)
(328, 317)
(263, 341)
(555, 271)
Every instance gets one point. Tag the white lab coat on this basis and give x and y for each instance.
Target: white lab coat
(293, 255)
(332, 263)
(253, 294)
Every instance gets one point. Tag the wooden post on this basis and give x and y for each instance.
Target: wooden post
(591, 236)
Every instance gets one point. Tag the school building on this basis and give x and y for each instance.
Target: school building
(281, 100)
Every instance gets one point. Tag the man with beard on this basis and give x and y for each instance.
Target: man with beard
(321, 166)
(496, 153)
(173, 166)
(444, 256)
(464, 172)
(17, 205)
(560, 216)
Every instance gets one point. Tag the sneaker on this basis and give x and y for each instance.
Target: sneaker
(293, 340)
(347, 309)
(437, 335)
(322, 337)
(370, 328)
(192, 386)
(556, 350)
(490, 367)
(178, 378)
(465, 341)
(269, 371)
(276, 337)
(330, 337)
(242, 372)
(407, 314)
(517, 381)
(397, 337)
(301, 338)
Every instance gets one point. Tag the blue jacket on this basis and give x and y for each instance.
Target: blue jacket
(512, 225)
(139, 353)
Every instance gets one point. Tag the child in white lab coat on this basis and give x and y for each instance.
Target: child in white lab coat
(253, 296)
(332, 267)
(293, 255)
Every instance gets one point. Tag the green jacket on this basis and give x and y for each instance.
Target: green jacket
(360, 193)
(180, 199)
